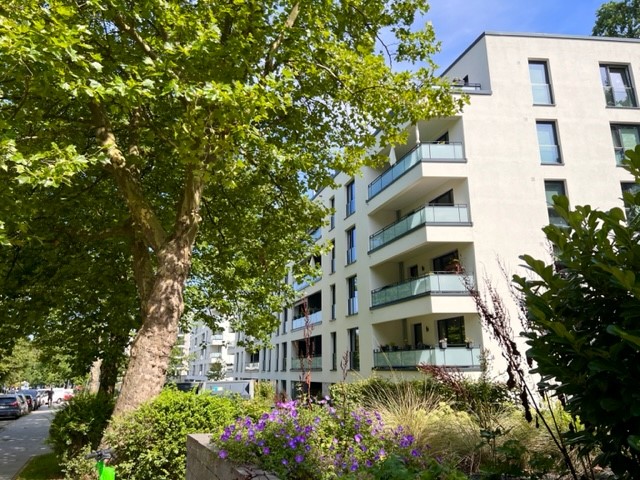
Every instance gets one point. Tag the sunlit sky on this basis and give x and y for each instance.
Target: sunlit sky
(458, 23)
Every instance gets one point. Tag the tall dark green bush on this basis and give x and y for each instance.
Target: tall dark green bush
(80, 423)
(150, 443)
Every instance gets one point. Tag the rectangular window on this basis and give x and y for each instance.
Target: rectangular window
(351, 197)
(631, 209)
(332, 289)
(334, 352)
(333, 256)
(351, 245)
(354, 348)
(625, 137)
(451, 331)
(548, 143)
(444, 262)
(332, 218)
(444, 199)
(540, 85)
(554, 188)
(284, 357)
(352, 299)
(616, 82)
(277, 355)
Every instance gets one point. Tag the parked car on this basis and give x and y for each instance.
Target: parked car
(30, 401)
(11, 406)
(35, 396)
(23, 403)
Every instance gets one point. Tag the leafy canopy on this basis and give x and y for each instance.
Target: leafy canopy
(618, 19)
(584, 319)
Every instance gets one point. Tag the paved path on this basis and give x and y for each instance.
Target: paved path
(22, 439)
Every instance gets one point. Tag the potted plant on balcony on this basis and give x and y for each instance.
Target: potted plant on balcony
(469, 343)
(443, 343)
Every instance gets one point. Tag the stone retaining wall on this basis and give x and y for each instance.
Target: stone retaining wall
(203, 463)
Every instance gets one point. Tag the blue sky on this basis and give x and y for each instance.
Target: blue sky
(458, 23)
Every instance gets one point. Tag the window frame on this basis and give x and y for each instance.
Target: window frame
(350, 189)
(607, 83)
(556, 138)
(551, 213)
(547, 78)
(618, 146)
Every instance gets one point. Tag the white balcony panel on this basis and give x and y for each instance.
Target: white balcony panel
(420, 306)
(418, 239)
(411, 187)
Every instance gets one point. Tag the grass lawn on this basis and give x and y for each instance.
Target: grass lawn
(42, 467)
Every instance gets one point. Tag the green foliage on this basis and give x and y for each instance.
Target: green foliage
(619, 18)
(150, 443)
(41, 467)
(80, 423)
(584, 325)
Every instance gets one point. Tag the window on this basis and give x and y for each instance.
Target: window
(332, 290)
(351, 245)
(444, 262)
(351, 197)
(444, 199)
(352, 299)
(548, 143)
(452, 330)
(630, 188)
(354, 348)
(413, 271)
(334, 352)
(616, 83)
(625, 137)
(553, 188)
(284, 357)
(333, 256)
(277, 355)
(540, 85)
(332, 218)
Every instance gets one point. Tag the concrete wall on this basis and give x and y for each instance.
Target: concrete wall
(203, 463)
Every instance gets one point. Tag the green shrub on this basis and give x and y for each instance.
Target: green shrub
(150, 443)
(80, 422)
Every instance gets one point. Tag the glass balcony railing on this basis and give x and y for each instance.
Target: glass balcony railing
(437, 282)
(313, 319)
(435, 214)
(425, 152)
(304, 363)
(620, 96)
(446, 357)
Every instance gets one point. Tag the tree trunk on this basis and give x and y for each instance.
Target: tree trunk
(149, 358)
(94, 376)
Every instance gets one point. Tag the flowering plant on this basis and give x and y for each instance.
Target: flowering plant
(316, 442)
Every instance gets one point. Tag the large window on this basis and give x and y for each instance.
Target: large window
(352, 291)
(625, 137)
(332, 218)
(351, 245)
(616, 82)
(451, 331)
(333, 256)
(548, 143)
(554, 188)
(631, 188)
(354, 348)
(540, 85)
(351, 197)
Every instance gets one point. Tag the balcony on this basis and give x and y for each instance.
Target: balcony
(252, 367)
(437, 282)
(458, 357)
(215, 355)
(425, 152)
(429, 214)
(306, 282)
(304, 363)
(620, 96)
(314, 318)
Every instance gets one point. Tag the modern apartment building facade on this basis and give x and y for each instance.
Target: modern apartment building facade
(460, 202)
(206, 348)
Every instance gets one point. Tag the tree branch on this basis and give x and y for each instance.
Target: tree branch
(268, 64)
(143, 215)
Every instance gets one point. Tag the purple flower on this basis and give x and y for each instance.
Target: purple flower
(299, 458)
(223, 454)
(357, 438)
(265, 450)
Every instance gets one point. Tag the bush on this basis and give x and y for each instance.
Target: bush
(79, 423)
(150, 443)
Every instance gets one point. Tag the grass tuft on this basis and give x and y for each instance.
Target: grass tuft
(42, 467)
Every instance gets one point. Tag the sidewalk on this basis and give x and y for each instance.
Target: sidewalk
(22, 439)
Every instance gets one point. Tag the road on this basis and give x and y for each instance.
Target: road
(22, 439)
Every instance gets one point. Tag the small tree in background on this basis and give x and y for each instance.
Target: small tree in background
(584, 325)
(618, 19)
(217, 371)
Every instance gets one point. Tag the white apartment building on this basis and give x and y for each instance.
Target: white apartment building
(206, 348)
(548, 114)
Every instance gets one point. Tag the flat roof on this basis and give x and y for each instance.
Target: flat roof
(539, 35)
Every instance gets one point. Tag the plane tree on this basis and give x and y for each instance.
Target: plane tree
(165, 144)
